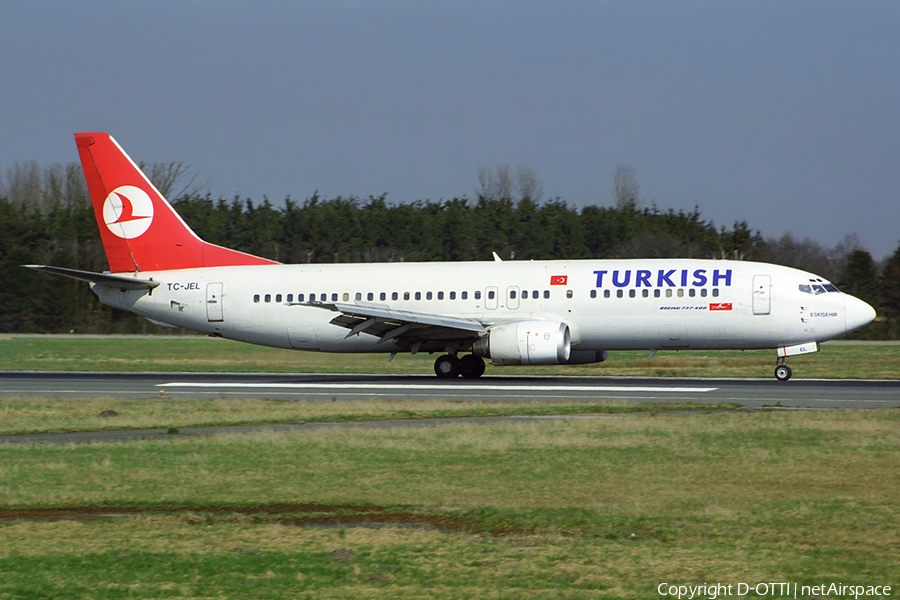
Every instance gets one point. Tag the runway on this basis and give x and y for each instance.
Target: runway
(751, 393)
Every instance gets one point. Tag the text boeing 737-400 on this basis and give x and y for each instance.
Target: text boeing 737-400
(513, 313)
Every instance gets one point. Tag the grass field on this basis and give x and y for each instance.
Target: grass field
(590, 507)
(609, 502)
(198, 353)
(56, 415)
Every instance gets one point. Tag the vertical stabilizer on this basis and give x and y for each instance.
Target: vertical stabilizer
(139, 228)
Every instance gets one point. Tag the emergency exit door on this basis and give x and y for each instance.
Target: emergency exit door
(762, 294)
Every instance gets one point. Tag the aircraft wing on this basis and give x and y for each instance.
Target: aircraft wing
(121, 282)
(413, 327)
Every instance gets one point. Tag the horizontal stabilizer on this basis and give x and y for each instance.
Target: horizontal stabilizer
(114, 281)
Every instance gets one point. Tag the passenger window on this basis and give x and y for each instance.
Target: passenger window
(299, 297)
(668, 293)
(656, 293)
(680, 293)
(546, 294)
(619, 293)
(715, 292)
(268, 297)
(535, 294)
(568, 293)
(477, 294)
(370, 296)
(394, 295)
(323, 297)
(692, 292)
(606, 293)
(345, 297)
(290, 298)
(512, 294)
(418, 295)
(453, 295)
(645, 293)
(524, 294)
(593, 293)
(382, 296)
(441, 295)
(464, 295)
(406, 295)
(334, 297)
(428, 295)
(256, 297)
(490, 294)
(631, 293)
(277, 297)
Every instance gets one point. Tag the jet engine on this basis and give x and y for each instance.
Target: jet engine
(526, 343)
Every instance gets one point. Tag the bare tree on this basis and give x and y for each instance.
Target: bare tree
(499, 183)
(528, 185)
(626, 188)
(24, 185)
(173, 179)
(495, 182)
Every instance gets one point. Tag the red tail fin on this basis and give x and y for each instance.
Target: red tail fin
(139, 228)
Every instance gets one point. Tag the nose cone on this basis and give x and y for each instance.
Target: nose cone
(858, 313)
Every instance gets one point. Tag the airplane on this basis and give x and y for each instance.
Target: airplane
(512, 312)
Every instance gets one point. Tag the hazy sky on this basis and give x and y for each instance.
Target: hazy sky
(784, 114)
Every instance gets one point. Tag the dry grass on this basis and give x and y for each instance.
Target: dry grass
(43, 415)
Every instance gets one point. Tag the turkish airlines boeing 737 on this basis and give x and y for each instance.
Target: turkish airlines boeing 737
(513, 312)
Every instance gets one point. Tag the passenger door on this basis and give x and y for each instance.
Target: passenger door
(214, 302)
(762, 294)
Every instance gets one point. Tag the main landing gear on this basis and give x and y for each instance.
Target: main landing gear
(782, 371)
(469, 366)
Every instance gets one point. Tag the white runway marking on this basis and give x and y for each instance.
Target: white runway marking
(443, 388)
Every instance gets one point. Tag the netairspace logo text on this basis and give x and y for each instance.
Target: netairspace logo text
(772, 590)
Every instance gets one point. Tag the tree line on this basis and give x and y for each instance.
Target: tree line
(46, 218)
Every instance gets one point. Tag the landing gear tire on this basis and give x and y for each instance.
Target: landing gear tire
(783, 372)
(446, 366)
(471, 366)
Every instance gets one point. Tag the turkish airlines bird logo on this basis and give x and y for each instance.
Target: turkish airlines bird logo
(128, 212)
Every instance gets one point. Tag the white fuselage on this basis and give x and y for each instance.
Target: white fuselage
(607, 304)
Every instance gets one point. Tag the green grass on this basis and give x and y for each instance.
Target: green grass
(46, 415)
(581, 508)
(197, 353)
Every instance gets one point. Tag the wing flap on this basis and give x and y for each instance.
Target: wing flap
(386, 323)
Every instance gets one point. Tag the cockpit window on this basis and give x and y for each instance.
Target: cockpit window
(816, 288)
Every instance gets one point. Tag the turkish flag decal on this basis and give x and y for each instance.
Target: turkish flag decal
(559, 279)
(720, 306)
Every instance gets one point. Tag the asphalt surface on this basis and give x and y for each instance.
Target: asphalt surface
(750, 393)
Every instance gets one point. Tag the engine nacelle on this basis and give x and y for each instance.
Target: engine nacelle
(587, 357)
(526, 343)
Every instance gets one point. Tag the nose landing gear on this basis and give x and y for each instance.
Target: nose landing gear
(469, 366)
(782, 371)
